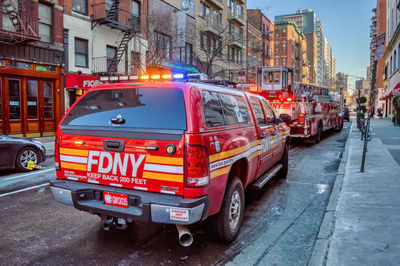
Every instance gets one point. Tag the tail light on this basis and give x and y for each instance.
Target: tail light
(197, 171)
(57, 150)
(301, 118)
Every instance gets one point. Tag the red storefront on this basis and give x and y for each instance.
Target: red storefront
(76, 85)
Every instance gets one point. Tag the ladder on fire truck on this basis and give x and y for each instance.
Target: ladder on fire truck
(17, 29)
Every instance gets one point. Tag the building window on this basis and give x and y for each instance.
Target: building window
(205, 11)
(135, 62)
(81, 53)
(394, 61)
(231, 27)
(163, 42)
(240, 58)
(135, 9)
(110, 54)
(283, 46)
(186, 54)
(276, 33)
(45, 19)
(231, 54)
(80, 6)
(239, 10)
(283, 61)
(276, 61)
(230, 3)
(276, 47)
(391, 67)
(205, 41)
(283, 32)
(248, 39)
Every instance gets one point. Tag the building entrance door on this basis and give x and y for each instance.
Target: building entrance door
(14, 106)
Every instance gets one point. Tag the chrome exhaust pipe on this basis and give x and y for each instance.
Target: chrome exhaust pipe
(185, 237)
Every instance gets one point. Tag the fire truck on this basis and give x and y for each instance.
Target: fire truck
(313, 109)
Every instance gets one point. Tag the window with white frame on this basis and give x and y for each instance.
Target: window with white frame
(80, 6)
(45, 23)
(81, 52)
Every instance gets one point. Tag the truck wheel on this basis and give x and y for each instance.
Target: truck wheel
(285, 163)
(229, 220)
(319, 132)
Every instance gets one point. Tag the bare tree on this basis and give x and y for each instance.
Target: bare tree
(213, 44)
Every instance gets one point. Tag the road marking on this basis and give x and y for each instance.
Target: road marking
(24, 189)
(29, 174)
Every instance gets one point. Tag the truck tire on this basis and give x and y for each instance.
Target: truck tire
(285, 163)
(228, 221)
(319, 133)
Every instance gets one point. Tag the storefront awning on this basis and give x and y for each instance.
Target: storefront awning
(393, 92)
(79, 81)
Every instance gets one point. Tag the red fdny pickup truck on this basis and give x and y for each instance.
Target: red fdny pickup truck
(173, 152)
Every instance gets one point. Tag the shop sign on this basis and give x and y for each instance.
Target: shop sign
(79, 81)
(45, 68)
(14, 103)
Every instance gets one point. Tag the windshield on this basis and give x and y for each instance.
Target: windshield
(155, 108)
(272, 77)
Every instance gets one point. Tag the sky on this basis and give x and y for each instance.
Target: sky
(346, 26)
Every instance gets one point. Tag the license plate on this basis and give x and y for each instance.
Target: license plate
(115, 199)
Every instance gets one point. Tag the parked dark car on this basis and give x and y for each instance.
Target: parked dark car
(17, 152)
(346, 114)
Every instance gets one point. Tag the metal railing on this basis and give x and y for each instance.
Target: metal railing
(101, 65)
(118, 17)
(27, 25)
(213, 23)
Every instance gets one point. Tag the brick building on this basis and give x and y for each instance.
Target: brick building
(31, 67)
(290, 47)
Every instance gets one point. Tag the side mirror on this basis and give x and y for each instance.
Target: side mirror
(285, 118)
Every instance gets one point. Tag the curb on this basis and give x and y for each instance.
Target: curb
(321, 246)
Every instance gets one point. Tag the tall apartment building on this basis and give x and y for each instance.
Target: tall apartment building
(377, 48)
(31, 67)
(391, 55)
(289, 46)
(221, 29)
(312, 28)
(102, 38)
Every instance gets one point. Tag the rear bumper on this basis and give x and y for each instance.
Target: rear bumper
(143, 206)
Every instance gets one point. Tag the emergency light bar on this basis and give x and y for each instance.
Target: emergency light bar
(147, 77)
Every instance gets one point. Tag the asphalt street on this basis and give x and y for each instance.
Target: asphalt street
(280, 226)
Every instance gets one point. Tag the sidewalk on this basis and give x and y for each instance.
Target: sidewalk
(48, 143)
(367, 215)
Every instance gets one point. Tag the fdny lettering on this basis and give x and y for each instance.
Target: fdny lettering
(107, 163)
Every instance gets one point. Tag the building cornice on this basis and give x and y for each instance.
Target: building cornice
(392, 43)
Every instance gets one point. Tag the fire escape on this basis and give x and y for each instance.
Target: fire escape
(15, 24)
(110, 14)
